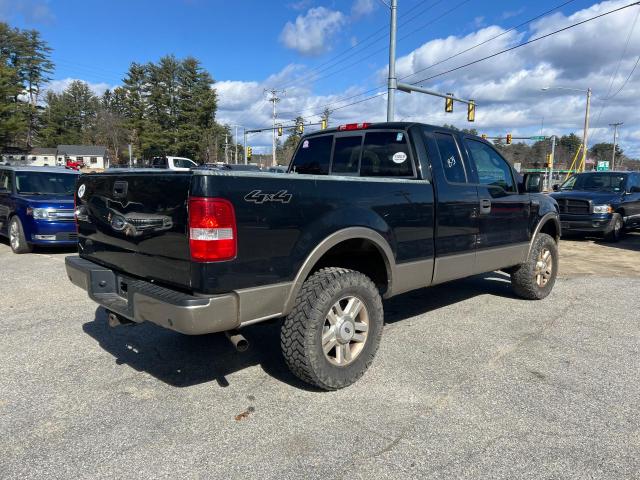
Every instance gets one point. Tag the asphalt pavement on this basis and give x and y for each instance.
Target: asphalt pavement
(469, 382)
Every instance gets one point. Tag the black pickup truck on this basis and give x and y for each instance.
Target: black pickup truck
(366, 212)
(599, 203)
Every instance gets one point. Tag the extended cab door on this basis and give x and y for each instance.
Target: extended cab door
(457, 224)
(504, 212)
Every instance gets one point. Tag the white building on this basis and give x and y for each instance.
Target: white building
(91, 156)
(44, 157)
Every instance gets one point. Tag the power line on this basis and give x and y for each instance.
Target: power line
(451, 56)
(360, 47)
(624, 84)
(489, 39)
(527, 42)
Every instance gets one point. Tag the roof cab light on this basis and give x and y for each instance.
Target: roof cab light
(354, 126)
(212, 229)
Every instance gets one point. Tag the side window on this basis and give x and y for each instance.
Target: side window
(313, 156)
(493, 170)
(4, 180)
(452, 164)
(386, 154)
(346, 154)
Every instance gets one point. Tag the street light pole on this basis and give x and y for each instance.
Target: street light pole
(393, 81)
(585, 135)
(615, 135)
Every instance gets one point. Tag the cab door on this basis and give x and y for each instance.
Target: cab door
(457, 226)
(503, 212)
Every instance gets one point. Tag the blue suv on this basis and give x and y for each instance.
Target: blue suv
(36, 206)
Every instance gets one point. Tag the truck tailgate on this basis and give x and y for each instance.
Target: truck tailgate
(136, 223)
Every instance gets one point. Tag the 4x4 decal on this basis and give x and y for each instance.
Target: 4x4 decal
(258, 196)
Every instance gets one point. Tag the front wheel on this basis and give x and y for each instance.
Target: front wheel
(534, 279)
(17, 238)
(617, 229)
(332, 334)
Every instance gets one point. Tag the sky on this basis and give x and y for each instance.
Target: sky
(334, 53)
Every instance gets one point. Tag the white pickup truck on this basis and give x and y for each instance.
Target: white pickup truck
(181, 164)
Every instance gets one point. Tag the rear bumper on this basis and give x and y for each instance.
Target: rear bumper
(141, 301)
(595, 224)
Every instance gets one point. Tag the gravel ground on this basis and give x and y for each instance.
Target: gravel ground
(469, 382)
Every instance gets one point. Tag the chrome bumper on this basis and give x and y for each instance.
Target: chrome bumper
(141, 301)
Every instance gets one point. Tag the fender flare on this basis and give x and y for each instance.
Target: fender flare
(547, 217)
(331, 241)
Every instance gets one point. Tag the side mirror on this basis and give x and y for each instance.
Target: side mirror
(635, 189)
(556, 187)
(532, 182)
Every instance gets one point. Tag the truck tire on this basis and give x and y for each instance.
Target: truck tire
(617, 229)
(17, 239)
(534, 279)
(332, 334)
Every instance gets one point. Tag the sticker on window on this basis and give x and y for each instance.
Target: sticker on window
(451, 161)
(305, 144)
(399, 137)
(399, 157)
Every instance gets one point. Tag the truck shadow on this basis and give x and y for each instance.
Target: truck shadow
(184, 361)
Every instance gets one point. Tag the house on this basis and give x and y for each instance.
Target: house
(91, 156)
(13, 156)
(44, 157)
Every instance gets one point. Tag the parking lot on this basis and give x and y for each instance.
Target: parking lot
(469, 382)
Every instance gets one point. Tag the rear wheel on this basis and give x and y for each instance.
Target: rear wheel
(332, 334)
(17, 237)
(534, 279)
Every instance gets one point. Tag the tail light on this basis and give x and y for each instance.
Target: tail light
(212, 229)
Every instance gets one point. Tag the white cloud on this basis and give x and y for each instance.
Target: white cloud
(311, 34)
(58, 86)
(32, 11)
(361, 8)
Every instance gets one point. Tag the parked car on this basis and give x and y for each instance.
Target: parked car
(180, 164)
(599, 203)
(371, 211)
(36, 206)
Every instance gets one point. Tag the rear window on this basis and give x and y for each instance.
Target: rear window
(385, 154)
(346, 154)
(313, 156)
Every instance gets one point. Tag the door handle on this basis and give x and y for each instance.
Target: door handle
(485, 205)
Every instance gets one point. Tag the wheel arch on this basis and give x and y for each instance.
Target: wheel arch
(332, 244)
(549, 224)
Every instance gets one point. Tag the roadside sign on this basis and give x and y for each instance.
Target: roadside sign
(517, 166)
(602, 166)
(539, 139)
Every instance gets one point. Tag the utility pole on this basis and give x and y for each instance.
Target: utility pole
(245, 146)
(615, 136)
(552, 159)
(235, 141)
(393, 81)
(274, 100)
(585, 135)
(226, 148)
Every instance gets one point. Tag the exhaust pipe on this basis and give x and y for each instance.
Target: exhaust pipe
(115, 320)
(240, 343)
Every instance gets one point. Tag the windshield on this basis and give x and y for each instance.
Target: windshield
(45, 183)
(608, 182)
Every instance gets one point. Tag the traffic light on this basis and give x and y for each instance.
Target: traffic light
(300, 128)
(279, 130)
(471, 111)
(323, 124)
(249, 153)
(448, 103)
(548, 164)
(484, 136)
(509, 138)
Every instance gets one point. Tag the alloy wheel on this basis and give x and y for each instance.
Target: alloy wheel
(345, 331)
(544, 267)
